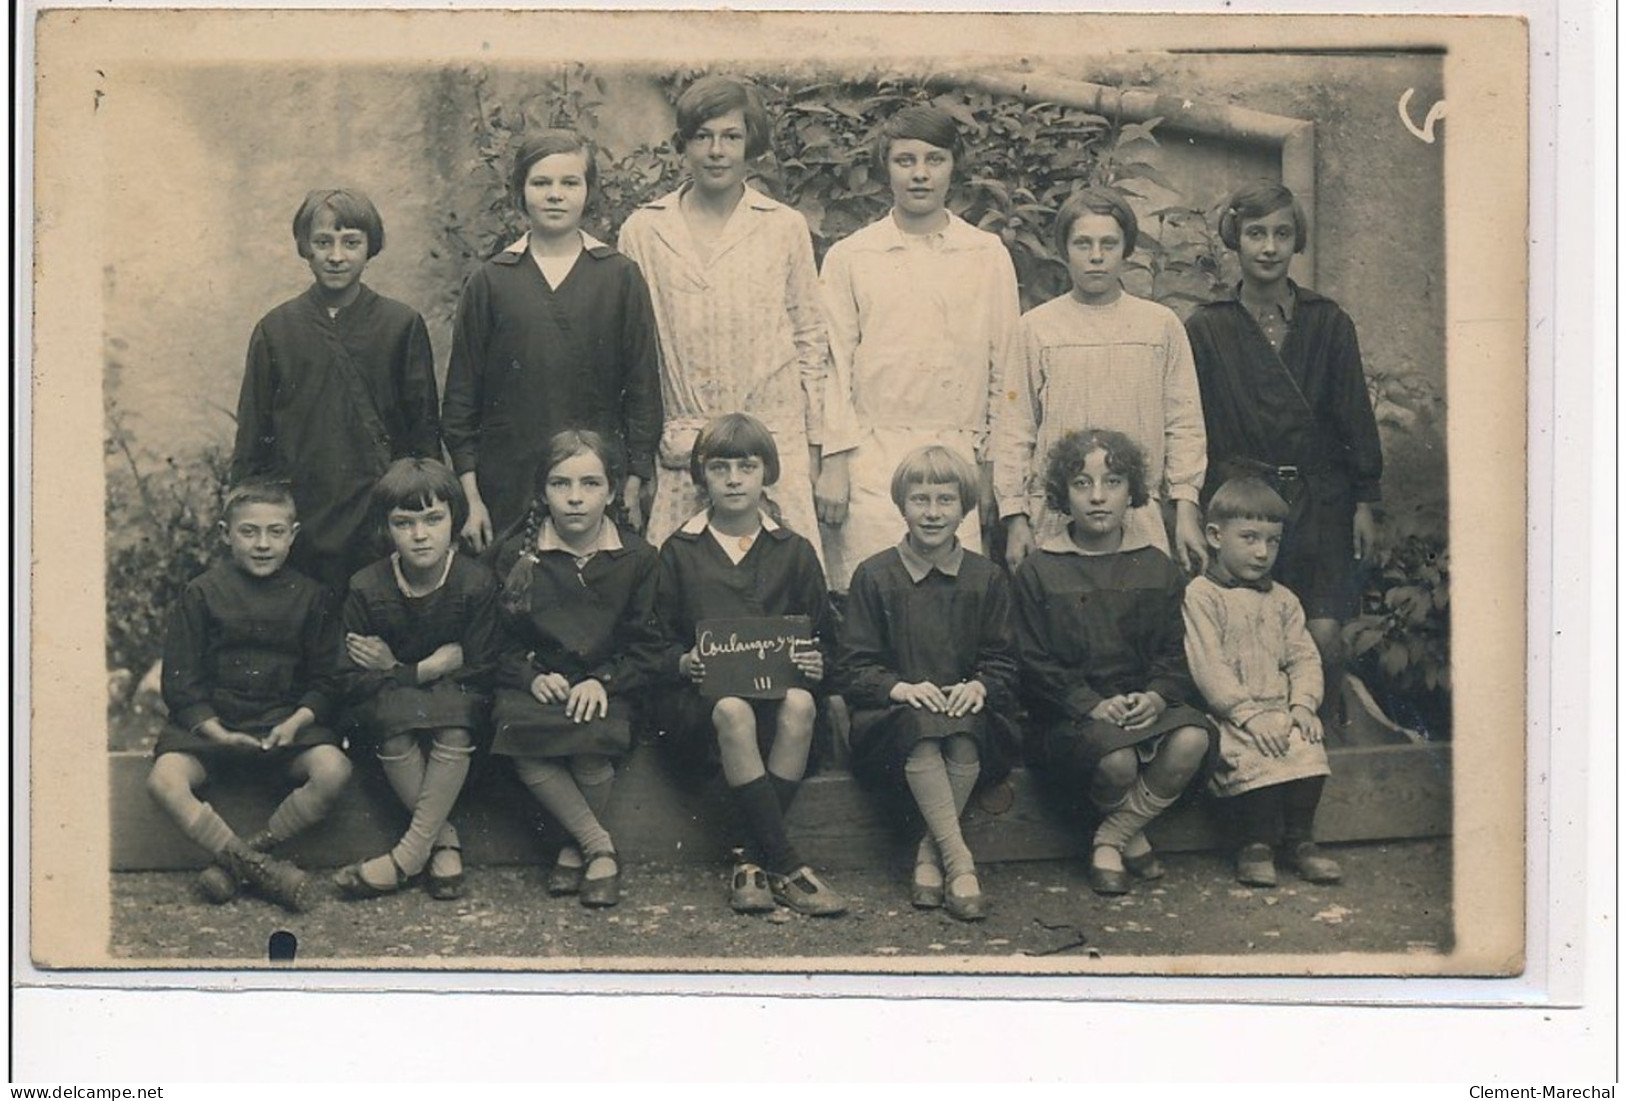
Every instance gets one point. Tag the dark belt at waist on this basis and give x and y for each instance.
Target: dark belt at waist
(1285, 472)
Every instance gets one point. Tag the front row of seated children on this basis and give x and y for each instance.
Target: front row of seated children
(1118, 663)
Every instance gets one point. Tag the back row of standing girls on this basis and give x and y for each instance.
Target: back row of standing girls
(913, 338)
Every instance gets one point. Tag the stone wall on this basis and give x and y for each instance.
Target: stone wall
(206, 165)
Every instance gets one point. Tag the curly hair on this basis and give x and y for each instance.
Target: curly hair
(1067, 456)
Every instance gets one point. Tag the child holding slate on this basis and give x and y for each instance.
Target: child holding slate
(733, 560)
(580, 644)
(1102, 637)
(418, 640)
(927, 663)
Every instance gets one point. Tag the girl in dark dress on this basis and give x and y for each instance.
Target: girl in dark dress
(928, 665)
(418, 644)
(1100, 627)
(733, 559)
(1284, 397)
(579, 643)
(555, 332)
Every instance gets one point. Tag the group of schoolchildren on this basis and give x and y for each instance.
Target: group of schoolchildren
(701, 424)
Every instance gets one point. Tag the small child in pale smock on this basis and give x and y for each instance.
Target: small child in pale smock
(1254, 661)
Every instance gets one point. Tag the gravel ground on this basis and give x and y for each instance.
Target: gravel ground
(1395, 898)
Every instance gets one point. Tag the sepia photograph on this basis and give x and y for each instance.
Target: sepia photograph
(777, 492)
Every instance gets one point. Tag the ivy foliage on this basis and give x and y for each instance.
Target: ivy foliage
(1023, 160)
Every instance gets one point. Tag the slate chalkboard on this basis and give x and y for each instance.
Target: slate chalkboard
(749, 656)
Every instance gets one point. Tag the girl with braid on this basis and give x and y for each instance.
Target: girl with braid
(579, 643)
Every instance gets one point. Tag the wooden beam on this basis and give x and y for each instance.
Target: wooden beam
(1375, 793)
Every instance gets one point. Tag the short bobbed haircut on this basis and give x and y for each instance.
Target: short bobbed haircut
(735, 436)
(1255, 200)
(416, 484)
(545, 143)
(1067, 456)
(567, 445)
(1246, 499)
(936, 465)
(258, 491)
(1096, 200)
(350, 209)
(920, 122)
(713, 96)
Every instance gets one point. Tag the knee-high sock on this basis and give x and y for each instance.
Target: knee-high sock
(1299, 800)
(928, 781)
(555, 788)
(302, 809)
(760, 805)
(404, 772)
(209, 830)
(405, 775)
(595, 776)
(784, 789)
(443, 778)
(962, 777)
(1139, 806)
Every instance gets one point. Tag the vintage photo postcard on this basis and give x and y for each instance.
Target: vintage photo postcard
(1131, 409)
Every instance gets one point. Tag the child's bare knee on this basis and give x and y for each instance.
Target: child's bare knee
(732, 711)
(1118, 768)
(797, 711)
(174, 776)
(327, 769)
(1186, 747)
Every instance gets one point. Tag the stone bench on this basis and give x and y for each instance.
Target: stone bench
(1376, 792)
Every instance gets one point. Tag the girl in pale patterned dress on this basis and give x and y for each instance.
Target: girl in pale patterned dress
(921, 306)
(735, 293)
(1099, 355)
